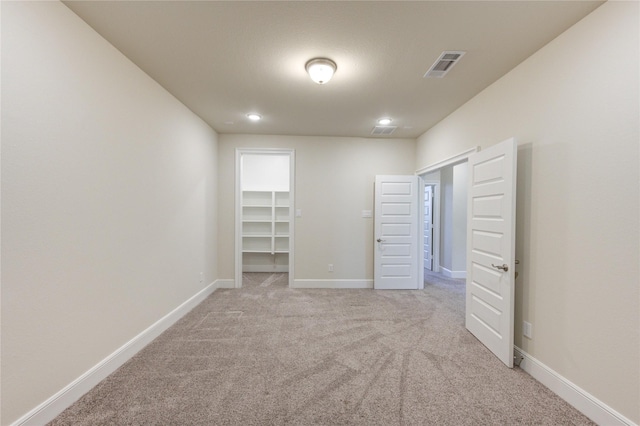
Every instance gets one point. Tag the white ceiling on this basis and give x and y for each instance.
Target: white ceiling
(224, 59)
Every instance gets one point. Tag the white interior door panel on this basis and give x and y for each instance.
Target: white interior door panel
(491, 248)
(398, 228)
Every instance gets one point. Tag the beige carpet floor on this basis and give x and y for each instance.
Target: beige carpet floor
(269, 355)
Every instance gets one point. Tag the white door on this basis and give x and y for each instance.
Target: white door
(491, 248)
(428, 227)
(397, 227)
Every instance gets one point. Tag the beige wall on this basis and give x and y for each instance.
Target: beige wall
(109, 208)
(108, 202)
(453, 220)
(574, 108)
(334, 183)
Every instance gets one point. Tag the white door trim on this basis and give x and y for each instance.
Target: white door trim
(238, 207)
(451, 161)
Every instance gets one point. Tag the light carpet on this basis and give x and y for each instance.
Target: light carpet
(269, 355)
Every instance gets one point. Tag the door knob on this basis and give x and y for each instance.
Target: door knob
(380, 240)
(502, 268)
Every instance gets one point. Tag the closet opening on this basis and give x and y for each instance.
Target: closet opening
(264, 212)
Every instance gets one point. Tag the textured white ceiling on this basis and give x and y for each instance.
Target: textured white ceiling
(224, 59)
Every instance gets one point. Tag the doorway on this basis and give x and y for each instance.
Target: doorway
(445, 243)
(431, 243)
(264, 220)
(490, 242)
(440, 176)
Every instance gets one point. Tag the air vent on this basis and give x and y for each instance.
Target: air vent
(383, 130)
(443, 65)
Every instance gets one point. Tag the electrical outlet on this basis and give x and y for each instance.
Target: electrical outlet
(201, 277)
(527, 329)
(331, 267)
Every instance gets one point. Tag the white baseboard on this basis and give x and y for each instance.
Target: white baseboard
(230, 283)
(56, 404)
(584, 402)
(265, 268)
(452, 274)
(333, 284)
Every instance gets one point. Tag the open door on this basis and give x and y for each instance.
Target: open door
(491, 248)
(397, 228)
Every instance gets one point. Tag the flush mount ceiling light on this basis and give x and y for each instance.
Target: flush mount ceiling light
(254, 117)
(321, 69)
(384, 121)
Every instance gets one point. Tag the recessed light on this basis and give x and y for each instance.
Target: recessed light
(384, 121)
(254, 117)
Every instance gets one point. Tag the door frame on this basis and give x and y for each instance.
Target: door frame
(238, 207)
(462, 157)
(435, 226)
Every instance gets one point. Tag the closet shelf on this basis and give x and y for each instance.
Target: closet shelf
(265, 222)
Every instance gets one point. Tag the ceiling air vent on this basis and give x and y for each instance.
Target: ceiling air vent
(445, 62)
(383, 130)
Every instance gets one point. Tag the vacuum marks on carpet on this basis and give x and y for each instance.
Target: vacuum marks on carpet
(269, 355)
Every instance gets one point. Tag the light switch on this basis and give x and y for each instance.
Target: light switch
(366, 213)
(298, 212)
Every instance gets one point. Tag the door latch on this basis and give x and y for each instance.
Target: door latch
(504, 267)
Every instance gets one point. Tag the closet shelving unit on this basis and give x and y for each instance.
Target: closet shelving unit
(265, 226)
